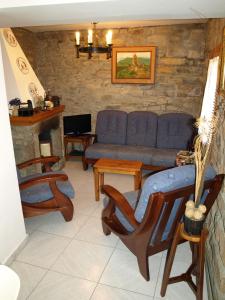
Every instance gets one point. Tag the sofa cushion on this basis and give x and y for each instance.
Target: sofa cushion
(41, 192)
(175, 131)
(141, 153)
(164, 157)
(111, 127)
(142, 128)
(147, 155)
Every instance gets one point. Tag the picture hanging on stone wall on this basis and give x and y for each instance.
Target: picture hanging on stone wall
(133, 64)
(22, 65)
(10, 38)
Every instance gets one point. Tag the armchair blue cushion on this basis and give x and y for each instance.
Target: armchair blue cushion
(42, 192)
(164, 181)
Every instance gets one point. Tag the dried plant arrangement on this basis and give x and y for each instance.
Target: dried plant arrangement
(202, 148)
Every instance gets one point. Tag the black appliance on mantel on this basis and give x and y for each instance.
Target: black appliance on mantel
(77, 124)
(26, 109)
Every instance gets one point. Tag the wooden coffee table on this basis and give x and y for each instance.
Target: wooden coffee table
(107, 165)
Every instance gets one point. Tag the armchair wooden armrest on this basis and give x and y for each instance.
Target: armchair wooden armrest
(43, 179)
(120, 201)
(43, 160)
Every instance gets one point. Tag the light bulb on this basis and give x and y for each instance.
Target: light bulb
(109, 37)
(90, 32)
(77, 37)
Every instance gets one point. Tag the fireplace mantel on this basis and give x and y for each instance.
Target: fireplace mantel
(26, 133)
(37, 117)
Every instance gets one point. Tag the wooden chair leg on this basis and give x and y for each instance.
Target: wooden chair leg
(67, 213)
(105, 229)
(142, 259)
(200, 277)
(169, 261)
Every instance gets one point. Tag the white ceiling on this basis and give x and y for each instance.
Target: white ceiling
(22, 13)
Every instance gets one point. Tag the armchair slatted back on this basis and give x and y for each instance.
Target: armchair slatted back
(171, 207)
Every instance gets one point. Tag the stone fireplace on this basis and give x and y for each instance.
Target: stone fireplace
(27, 133)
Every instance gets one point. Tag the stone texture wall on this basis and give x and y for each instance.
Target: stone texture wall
(85, 85)
(28, 43)
(215, 254)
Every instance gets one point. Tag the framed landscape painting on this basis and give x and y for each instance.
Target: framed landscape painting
(133, 64)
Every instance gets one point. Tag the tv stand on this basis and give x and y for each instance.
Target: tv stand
(84, 139)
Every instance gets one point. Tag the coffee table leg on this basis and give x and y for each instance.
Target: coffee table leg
(101, 183)
(96, 179)
(137, 181)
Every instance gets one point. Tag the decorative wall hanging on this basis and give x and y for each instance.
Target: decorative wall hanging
(22, 65)
(9, 37)
(19, 71)
(133, 64)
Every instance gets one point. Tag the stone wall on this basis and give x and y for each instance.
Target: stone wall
(215, 254)
(85, 85)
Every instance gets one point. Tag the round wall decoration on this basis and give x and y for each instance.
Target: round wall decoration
(33, 91)
(9, 37)
(22, 65)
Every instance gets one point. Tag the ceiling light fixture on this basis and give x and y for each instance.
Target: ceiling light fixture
(93, 43)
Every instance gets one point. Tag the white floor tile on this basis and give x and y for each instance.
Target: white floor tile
(86, 204)
(103, 292)
(92, 232)
(83, 260)
(29, 276)
(120, 245)
(42, 249)
(34, 223)
(56, 224)
(57, 286)
(122, 272)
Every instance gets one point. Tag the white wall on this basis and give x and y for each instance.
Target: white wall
(12, 230)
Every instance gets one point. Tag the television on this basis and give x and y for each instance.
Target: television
(77, 124)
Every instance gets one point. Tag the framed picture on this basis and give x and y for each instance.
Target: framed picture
(133, 64)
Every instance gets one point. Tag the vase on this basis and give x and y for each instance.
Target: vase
(193, 227)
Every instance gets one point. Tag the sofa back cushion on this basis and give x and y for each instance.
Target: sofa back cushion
(111, 127)
(142, 128)
(175, 130)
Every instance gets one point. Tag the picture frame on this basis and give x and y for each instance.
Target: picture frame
(133, 64)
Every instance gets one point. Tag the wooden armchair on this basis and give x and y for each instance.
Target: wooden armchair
(45, 192)
(146, 224)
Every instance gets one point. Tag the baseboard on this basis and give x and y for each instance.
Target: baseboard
(13, 255)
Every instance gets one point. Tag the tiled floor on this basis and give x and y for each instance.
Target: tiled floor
(74, 260)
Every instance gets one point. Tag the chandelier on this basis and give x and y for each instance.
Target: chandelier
(93, 43)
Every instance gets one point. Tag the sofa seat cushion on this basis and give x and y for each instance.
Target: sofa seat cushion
(164, 157)
(147, 155)
(126, 152)
(42, 192)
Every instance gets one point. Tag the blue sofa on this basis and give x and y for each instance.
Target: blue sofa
(141, 135)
